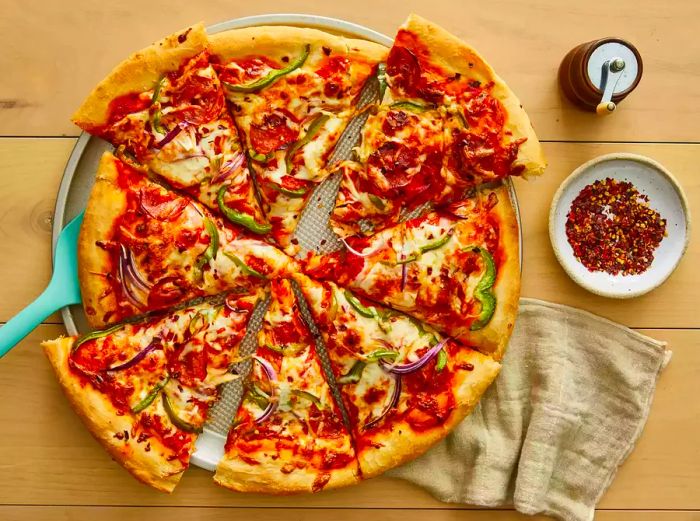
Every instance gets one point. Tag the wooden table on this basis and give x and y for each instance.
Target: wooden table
(54, 52)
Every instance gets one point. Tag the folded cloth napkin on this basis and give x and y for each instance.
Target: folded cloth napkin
(549, 434)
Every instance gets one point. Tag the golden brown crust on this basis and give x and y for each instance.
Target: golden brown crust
(276, 41)
(103, 422)
(493, 339)
(139, 72)
(454, 55)
(402, 444)
(268, 478)
(106, 203)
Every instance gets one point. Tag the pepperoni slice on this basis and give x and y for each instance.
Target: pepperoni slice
(190, 368)
(161, 206)
(201, 98)
(404, 68)
(275, 131)
(294, 184)
(395, 120)
(127, 104)
(394, 160)
(165, 293)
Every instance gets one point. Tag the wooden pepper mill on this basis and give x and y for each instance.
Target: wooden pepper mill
(598, 75)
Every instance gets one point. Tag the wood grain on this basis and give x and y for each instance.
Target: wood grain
(109, 513)
(57, 51)
(44, 447)
(30, 175)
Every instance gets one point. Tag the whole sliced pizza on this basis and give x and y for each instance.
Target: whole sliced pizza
(366, 356)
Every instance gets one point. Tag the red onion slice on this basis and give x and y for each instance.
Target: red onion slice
(391, 403)
(172, 134)
(412, 367)
(272, 376)
(132, 270)
(127, 279)
(155, 344)
(404, 275)
(364, 254)
(228, 168)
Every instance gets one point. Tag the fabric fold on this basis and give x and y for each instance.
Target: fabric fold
(549, 435)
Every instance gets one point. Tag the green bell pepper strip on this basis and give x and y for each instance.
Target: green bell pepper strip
(238, 217)
(260, 158)
(410, 258)
(412, 106)
(380, 354)
(333, 310)
(148, 400)
(244, 267)
(257, 396)
(381, 78)
(314, 128)
(272, 76)
(441, 360)
(156, 89)
(307, 396)
(367, 312)
(484, 289)
(301, 192)
(439, 243)
(94, 335)
(354, 374)
(155, 121)
(176, 420)
(377, 201)
(213, 247)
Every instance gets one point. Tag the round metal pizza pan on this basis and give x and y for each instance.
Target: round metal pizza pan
(79, 176)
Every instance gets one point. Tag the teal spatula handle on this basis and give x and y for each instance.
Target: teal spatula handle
(29, 318)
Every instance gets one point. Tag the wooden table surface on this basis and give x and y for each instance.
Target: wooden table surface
(54, 52)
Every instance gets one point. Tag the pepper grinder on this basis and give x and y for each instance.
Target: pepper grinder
(599, 74)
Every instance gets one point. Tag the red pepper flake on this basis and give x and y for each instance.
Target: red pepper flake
(612, 228)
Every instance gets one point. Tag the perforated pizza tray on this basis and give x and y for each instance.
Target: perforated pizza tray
(313, 231)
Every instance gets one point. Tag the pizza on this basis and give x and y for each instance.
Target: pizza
(165, 106)
(292, 92)
(143, 248)
(364, 357)
(288, 434)
(143, 389)
(403, 384)
(445, 124)
(458, 271)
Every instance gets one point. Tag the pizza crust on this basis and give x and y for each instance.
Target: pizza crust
(278, 41)
(267, 478)
(103, 422)
(493, 339)
(402, 444)
(139, 72)
(454, 55)
(106, 203)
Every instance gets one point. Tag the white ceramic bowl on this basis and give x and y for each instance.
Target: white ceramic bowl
(665, 196)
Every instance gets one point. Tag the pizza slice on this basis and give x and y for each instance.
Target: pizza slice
(292, 92)
(459, 272)
(447, 123)
(288, 435)
(404, 385)
(143, 389)
(143, 247)
(165, 106)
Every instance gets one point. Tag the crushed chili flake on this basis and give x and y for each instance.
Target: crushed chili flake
(612, 228)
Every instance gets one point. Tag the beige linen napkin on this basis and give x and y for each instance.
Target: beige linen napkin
(549, 434)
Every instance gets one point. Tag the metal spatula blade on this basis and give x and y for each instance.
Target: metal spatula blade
(63, 290)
